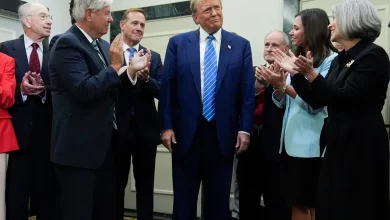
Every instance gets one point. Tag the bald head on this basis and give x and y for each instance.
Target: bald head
(275, 40)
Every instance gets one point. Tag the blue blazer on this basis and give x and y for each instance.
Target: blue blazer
(180, 103)
(301, 124)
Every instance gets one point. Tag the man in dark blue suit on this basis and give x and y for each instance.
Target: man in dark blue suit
(30, 174)
(84, 73)
(206, 105)
(138, 121)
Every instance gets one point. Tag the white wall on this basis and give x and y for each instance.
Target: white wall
(252, 19)
(59, 9)
(124, 4)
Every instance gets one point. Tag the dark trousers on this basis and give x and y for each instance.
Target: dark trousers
(204, 162)
(88, 194)
(258, 177)
(144, 158)
(31, 179)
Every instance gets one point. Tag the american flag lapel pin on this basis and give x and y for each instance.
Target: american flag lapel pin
(230, 47)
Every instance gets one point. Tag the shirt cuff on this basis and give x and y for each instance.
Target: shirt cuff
(244, 132)
(43, 97)
(133, 81)
(24, 97)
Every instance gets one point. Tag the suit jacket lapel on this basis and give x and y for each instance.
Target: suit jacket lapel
(224, 57)
(141, 48)
(105, 51)
(193, 56)
(20, 55)
(87, 45)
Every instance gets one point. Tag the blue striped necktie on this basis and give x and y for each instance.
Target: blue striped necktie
(210, 79)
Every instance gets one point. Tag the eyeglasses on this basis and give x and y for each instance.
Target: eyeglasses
(43, 16)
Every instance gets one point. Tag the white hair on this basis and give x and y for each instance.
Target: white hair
(358, 19)
(80, 6)
(193, 4)
(25, 9)
(286, 40)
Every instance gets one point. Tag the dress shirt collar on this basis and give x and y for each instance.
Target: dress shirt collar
(89, 38)
(125, 47)
(28, 42)
(203, 35)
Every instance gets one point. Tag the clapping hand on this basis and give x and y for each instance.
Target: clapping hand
(304, 65)
(144, 73)
(274, 74)
(259, 76)
(35, 87)
(140, 61)
(116, 54)
(287, 62)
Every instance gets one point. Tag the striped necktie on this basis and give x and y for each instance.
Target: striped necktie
(96, 47)
(210, 79)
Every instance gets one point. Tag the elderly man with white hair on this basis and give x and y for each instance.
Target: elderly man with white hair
(85, 72)
(30, 174)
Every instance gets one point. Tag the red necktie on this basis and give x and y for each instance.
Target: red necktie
(35, 65)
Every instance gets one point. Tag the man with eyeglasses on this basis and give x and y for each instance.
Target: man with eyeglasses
(30, 174)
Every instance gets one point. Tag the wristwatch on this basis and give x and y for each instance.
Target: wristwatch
(283, 89)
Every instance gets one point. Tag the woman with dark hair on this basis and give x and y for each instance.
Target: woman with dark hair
(300, 139)
(7, 135)
(354, 180)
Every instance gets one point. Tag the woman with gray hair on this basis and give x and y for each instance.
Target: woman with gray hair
(354, 180)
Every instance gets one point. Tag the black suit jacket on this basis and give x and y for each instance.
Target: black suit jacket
(83, 100)
(31, 119)
(53, 41)
(138, 99)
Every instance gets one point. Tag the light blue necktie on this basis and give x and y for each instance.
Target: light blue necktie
(132, 51)
(210, 79)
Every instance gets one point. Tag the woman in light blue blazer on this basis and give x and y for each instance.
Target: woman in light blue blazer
(300, 139)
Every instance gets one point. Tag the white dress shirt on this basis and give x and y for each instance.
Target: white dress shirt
(202, 49)
(126, 54)
(89, 38)
(27, 44)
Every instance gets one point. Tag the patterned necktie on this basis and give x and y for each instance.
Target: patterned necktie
(210, 80)
(132, 51)
(35, 65)
(96, 47)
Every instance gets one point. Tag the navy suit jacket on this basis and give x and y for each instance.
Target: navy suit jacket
(180, 103)
(53, 41)
(32, 115)
(140, 99)
(83, 93)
